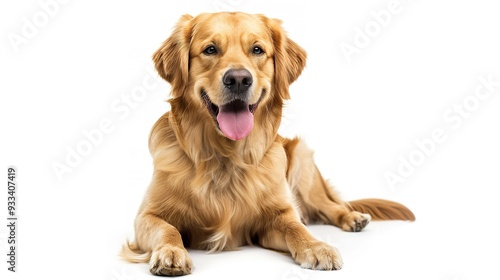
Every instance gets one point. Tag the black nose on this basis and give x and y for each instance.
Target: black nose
(237, 80)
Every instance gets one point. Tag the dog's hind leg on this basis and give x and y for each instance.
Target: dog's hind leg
(317, 201)
(314, 197)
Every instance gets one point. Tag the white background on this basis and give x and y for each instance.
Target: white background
(361, 117)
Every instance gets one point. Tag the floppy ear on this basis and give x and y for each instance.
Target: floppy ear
(172, 58)
(289, 58)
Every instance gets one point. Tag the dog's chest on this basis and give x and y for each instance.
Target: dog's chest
(226, 219)
(231, 197)
(230, 209)
(232, 202)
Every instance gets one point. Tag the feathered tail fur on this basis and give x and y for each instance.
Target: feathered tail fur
(381, 209)
(131, 252)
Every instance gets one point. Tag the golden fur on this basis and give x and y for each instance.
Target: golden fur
(214, 193)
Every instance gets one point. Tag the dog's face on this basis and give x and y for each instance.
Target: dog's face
(229, 66)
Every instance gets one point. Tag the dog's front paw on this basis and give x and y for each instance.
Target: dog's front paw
(319, 255)
(355, 221)
(170, 260)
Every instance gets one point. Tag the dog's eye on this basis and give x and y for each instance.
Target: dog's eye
(210, 50)
(257, 50)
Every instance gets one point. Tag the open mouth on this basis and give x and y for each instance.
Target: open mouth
(235, 118)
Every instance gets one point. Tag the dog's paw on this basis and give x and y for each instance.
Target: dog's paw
(170, 261)
(319, 255)
(355, 221)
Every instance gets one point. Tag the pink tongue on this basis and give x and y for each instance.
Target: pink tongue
(235, 124)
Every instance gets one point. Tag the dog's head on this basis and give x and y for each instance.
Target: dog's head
(231, 67)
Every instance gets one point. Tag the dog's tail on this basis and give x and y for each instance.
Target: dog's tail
(381, 209)
(132, 253)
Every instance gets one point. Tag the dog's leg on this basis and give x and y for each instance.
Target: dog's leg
(331, 210)
(286, 233)
(316, 199)
(169, 257)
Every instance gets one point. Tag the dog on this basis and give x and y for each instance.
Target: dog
(223, 177)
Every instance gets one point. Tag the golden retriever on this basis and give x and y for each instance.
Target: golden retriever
(223, 177)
